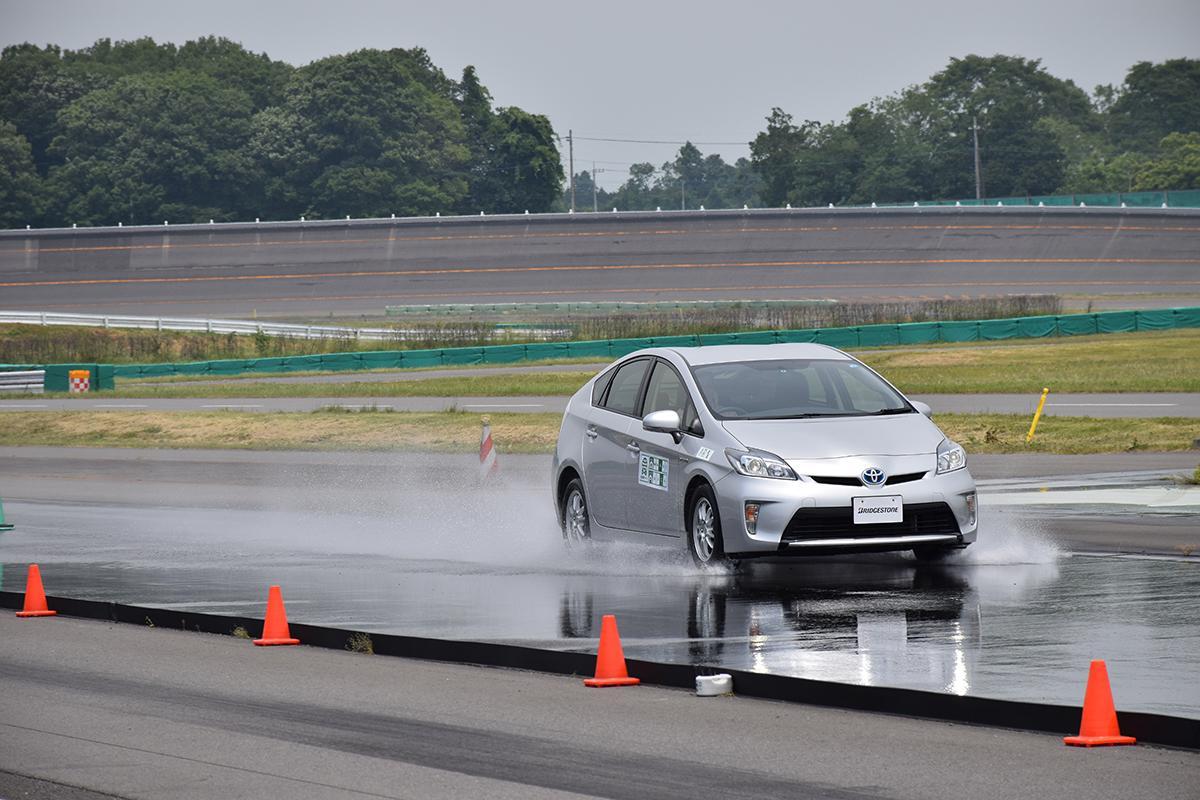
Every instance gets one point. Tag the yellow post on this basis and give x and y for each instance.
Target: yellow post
(1037, 415)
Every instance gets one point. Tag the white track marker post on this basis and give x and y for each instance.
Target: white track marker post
(488, 465)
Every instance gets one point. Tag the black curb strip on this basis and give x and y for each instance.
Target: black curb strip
(1156, 729)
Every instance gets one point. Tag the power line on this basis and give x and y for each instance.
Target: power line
(660, 141)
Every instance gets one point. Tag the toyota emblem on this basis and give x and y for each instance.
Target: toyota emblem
(873, 476)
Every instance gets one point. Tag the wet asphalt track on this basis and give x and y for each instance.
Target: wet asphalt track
(317, 268)
(396, 543)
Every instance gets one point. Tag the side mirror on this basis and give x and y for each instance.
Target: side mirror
(665, 421)
(922, 407)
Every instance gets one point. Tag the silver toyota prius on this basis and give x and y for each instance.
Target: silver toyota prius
(742, 451)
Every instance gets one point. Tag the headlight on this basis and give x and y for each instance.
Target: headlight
(950, 457)
(758, 464)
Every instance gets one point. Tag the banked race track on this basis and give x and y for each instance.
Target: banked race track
(359, 266)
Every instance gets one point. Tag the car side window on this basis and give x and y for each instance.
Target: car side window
(623, 391)
(599, 387)
(667, 392)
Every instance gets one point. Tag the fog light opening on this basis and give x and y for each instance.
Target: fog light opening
(751, 518)
(972, 504)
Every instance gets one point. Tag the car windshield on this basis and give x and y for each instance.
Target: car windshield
(796, 389)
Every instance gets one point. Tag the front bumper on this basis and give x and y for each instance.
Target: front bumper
(804, 517)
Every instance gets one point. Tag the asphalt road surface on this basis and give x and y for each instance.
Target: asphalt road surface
(93, 710)
(1076, 405)
(310, 269)
(412, 544)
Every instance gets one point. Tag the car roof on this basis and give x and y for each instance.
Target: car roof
(726, 353)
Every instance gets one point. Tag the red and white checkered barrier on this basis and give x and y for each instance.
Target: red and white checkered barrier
(80, 380)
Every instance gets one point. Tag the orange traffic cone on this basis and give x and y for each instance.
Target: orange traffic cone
(610, 661)
(35, 596)
(275, 627)
(1099, 723)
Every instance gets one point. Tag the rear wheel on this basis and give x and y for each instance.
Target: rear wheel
(704, 529)
(576, 527)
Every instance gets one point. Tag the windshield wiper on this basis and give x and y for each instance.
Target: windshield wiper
(808, 415)
(880, 413)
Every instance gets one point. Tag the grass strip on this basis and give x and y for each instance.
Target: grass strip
(518, 384)
(321, 430)
(1166, 361)
(452, 431)
(420, 373)
(1005, 433)
(1151, 361)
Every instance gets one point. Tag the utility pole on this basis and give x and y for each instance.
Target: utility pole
(571, 162)
(978, 171)
(596, 187)
(682, 194)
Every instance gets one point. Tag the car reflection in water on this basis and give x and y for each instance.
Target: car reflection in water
(891, 622)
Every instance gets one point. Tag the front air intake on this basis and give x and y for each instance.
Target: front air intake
(838, 523)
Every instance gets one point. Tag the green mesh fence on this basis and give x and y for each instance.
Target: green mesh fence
(852, 337)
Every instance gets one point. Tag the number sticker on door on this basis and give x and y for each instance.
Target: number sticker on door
(652, 471)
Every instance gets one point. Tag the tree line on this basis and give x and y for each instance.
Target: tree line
(140, 132)
(690, 180)
(1038, 135)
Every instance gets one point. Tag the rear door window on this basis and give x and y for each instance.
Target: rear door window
(600, 387)
(625, 389)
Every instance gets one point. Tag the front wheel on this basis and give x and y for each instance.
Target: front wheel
(704, 529)
(576, 527)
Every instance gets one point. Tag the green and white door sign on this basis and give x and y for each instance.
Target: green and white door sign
(652, 471)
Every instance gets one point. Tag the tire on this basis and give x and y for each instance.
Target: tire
(706, 623)
(575, 520)
(575, 616)
(704, 539)
(934, 553)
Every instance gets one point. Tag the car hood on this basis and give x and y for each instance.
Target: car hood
(838, 437)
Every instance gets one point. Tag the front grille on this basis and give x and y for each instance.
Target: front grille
(837, 480)
(838, 523)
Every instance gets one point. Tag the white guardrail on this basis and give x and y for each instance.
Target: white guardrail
(30, 381)
(254, 327)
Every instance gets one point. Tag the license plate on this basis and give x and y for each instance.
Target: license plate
(872, 510)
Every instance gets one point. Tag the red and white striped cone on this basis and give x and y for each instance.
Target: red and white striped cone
(488, 464)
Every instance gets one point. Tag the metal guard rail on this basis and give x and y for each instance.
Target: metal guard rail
(247, 326)
(24, 381)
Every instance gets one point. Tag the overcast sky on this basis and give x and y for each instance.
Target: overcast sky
(704, 71)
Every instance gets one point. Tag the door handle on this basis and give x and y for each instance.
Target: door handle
(591, 433)
(633, 447)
